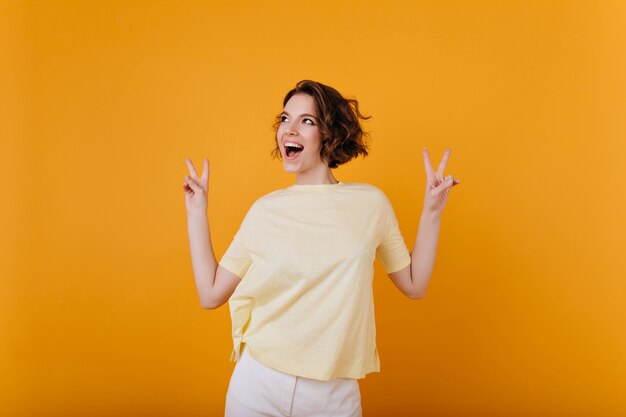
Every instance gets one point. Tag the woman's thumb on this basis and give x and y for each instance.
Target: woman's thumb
(445, 184)
(195, 187)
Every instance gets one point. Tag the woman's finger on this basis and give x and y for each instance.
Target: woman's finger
(205, 169)
(444, 162)
(427, 165)
(447, 183)
(192, 170)
(192, 184)
(454, 180)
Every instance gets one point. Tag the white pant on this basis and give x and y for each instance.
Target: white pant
(256, 390)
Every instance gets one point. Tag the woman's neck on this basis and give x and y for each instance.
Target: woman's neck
(320, 176)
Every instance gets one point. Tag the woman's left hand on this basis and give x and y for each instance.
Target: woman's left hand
(437, 186)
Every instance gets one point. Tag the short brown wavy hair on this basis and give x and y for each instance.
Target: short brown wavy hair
(338, 121)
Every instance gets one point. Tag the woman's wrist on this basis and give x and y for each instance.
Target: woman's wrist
(431, 216)
(196, 214)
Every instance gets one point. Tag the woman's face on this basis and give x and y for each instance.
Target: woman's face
(298, 135)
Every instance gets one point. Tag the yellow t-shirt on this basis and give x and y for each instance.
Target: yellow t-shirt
(306, 254)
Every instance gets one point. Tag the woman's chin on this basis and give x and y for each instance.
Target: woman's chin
(289, 168)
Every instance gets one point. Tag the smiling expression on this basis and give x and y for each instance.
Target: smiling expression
(298, 135)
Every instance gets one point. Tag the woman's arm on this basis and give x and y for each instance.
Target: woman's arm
(214, 284)
(203, 260)
(413, 280)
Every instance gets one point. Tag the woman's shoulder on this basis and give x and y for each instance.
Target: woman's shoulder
(267, 198)
(367, 189)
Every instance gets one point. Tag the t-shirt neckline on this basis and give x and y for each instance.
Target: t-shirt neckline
(313, 187)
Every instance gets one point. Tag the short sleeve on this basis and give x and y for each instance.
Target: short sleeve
(236, 258)
(392, 251)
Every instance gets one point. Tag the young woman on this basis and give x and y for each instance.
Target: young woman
(298, 272)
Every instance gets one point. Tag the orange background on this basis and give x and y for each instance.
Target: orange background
(103, 100)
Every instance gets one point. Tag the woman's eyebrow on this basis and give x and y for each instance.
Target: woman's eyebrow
(303, 114)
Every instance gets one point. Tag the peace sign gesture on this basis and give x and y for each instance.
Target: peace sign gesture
(196, 189)
(437, 186)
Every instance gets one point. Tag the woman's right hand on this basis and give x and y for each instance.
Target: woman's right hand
(196, 189)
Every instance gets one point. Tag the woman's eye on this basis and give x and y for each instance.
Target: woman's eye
(283, 118)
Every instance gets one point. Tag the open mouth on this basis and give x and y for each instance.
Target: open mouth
(292, 150)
